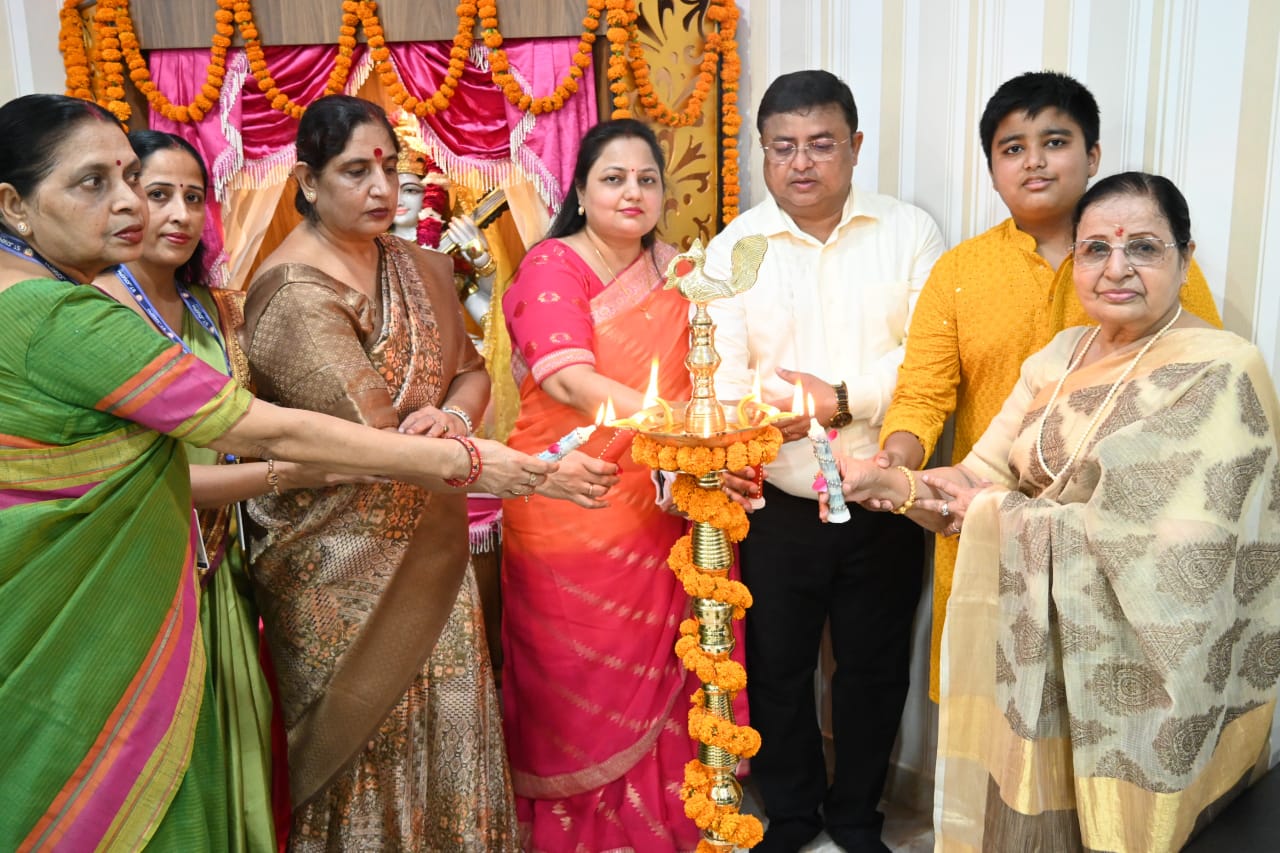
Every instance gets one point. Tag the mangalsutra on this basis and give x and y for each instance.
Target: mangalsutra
(1097, 415)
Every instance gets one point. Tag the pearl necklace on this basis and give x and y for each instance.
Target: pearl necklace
(1097, 415)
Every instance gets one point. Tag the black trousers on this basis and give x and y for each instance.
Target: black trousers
(865, 575)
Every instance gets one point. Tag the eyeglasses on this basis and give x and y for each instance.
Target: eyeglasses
(1139, 252)
(819, 150)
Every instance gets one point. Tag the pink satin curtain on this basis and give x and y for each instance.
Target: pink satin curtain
(246, 143)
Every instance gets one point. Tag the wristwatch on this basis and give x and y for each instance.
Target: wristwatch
(842, 417)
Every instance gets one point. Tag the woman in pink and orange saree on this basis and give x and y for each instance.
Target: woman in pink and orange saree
(594, 698)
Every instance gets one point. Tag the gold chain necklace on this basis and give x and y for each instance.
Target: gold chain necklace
(1097, 415)
(613, 276)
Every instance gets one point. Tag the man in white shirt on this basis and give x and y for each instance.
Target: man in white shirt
(830, 309)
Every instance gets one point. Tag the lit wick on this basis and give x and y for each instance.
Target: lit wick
(651, 399)
(744, 418)
(622, 432)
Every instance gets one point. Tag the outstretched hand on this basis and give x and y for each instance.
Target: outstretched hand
(956, 495)
(581, 479)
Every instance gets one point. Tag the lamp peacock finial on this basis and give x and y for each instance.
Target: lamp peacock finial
(685, 270)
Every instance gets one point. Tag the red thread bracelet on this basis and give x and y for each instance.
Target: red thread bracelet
(477, 465)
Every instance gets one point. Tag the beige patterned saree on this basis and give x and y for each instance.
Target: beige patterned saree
(369, 604)
(1113, 637)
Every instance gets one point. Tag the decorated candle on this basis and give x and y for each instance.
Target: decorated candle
(571, 441)
(837, 510)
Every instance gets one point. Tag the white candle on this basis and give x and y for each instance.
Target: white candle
(837, 510)
(571, 441)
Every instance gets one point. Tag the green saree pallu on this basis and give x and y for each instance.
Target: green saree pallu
(107, 743)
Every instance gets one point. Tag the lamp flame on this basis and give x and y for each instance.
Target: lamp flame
(651, 393)
(808, 403)
(755, 388)
(609, 414)
(797, 399)
(600, 415)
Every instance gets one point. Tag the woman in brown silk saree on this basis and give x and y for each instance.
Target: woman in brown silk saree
(369, 604)
(1112, 641)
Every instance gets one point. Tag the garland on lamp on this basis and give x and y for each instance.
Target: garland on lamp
(714, 507)
(703, 460)
(115, 46)
(739, 829)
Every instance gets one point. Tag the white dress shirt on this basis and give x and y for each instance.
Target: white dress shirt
(838, 310)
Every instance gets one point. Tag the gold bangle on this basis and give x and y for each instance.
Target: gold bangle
(490, 267)
(911, 491)
(273, 479)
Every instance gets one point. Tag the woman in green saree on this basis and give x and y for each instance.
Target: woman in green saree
(107, 741)
(164, 287)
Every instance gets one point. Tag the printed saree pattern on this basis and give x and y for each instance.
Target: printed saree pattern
(368, 604)
(102, 665)
(1113, 641)
(595, 700)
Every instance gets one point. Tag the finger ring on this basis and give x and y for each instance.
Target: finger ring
(591, 490)
(946, 509)
(533, 478)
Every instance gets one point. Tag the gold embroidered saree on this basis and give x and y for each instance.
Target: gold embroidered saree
(367, 597)
(1113, 637)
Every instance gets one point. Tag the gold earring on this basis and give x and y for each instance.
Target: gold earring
(22, 228)
(309, 196)
(580, 210)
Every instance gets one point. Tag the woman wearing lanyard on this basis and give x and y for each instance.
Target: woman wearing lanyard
(164, 286)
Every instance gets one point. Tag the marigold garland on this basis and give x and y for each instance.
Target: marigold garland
(739, 829)
(700, 584)
(500, 65)
(703, 460)
(713, 507)
(709, 506)
(100, 77)
(75, 59)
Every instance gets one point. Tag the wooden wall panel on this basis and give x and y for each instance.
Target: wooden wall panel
(166, 23)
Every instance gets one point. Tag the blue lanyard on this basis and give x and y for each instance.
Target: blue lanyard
(193, 305)
(19, 248)
(188, 299)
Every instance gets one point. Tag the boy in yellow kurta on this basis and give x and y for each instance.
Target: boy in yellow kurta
(998, 297)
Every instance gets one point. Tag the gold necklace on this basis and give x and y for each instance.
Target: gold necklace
(1097, 415)
(613, 276)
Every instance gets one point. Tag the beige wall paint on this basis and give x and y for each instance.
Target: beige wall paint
(1187, 88)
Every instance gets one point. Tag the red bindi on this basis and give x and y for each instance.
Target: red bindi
(1119, 231)
(377, 153)
(118, 163)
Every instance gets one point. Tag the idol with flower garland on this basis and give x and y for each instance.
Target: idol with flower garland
(421, 212)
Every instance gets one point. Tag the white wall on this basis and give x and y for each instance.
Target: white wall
(1188, 89)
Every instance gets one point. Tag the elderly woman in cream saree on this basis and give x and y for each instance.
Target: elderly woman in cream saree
(1112, 646)
(1112, 640)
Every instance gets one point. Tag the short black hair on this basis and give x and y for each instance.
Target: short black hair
(801, 91)
(569, 220)
(32, 127)
(325, 130)
(1168, 199)
(1034, 92)
(148, 142)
